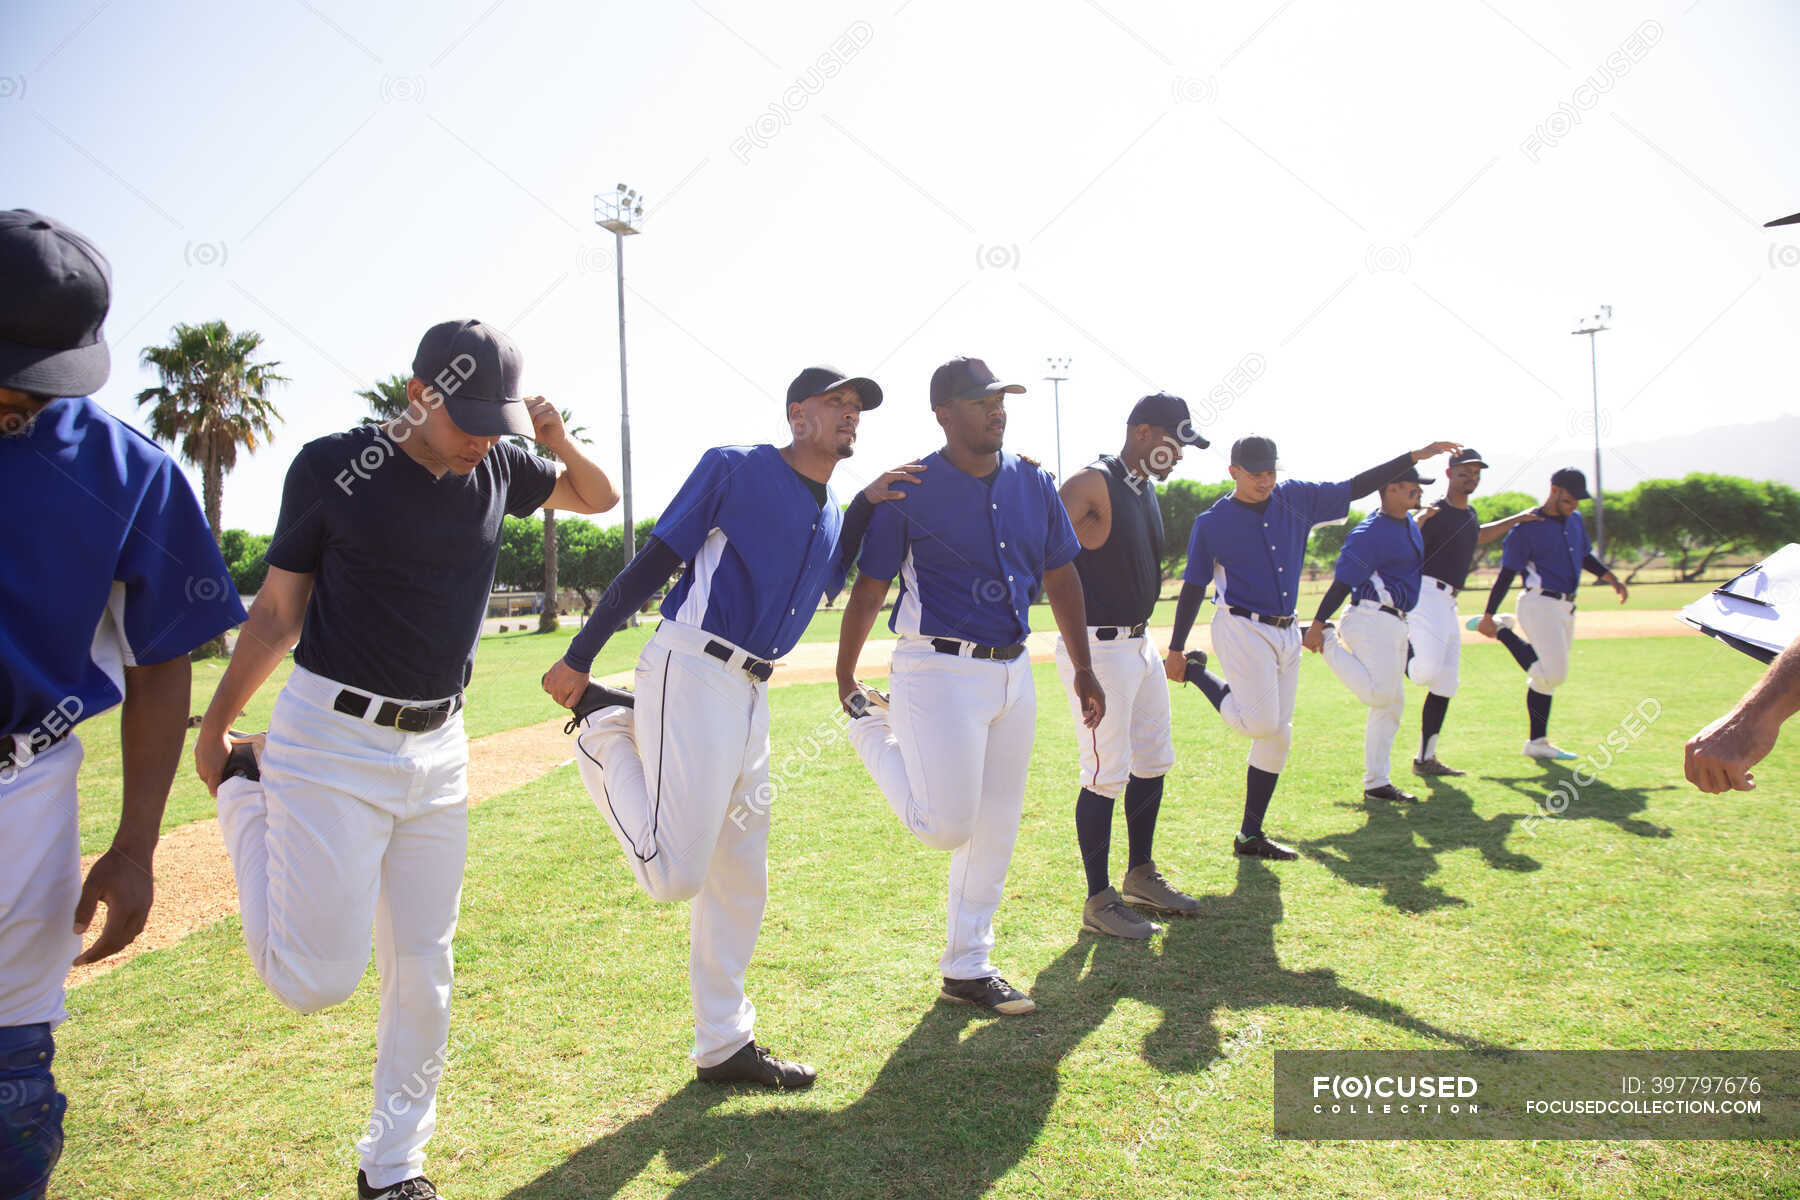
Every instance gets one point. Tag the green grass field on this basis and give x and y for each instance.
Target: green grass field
(1645, 916)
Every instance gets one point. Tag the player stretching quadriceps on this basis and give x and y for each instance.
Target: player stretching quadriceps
(1250, 546)
(972, 545)
(679, 767)
(1552, 553)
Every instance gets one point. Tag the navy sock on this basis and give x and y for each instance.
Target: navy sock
(1093, 834)
(1210, 685)
(1538, 705)
(1259, 789)
(1143, 799)
(1431, 722)
(1521, 649)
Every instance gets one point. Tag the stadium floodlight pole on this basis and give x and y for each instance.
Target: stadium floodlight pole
(1056, 378)
(1591, 326)
(619, 212)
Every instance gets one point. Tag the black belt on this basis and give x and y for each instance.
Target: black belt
(34, 744)
(1389, 609)
(1441, 585)
(1001, 653)
(1569, 596)
(1278, 622)
(1111, 633)
(408, 718)
(757, 668)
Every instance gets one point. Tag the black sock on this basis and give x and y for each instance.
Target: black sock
(1521, 649)
(1538, 705)
(1210, 685)
(1431, 722)
(1259, 789)
(1093, 834)
(1143, 798)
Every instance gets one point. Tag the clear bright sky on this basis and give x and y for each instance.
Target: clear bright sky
(1385, 217)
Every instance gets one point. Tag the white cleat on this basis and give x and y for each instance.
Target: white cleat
(1541, 748)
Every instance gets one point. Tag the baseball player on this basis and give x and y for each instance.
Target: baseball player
(109, 578)
(972, 543)
(1451, 532)
(355, 812)
(681, 772)
(1378, 571)
(1112, 506)
(1249, 546)
(1552, 553)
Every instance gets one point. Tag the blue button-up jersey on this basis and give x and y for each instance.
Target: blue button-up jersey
(108, 564)
(760, 550)
(1381, 561)
(969, 553)
(1549, 553)
(1252, 558)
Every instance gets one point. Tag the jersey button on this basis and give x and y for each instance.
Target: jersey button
(1003, 545)
(1009, 579)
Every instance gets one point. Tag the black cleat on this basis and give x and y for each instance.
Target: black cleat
(1388, 791)
(1430, 767)
(754, 1064)
(242, 759)
(597, 697)
(1262, 846)
(416, 1188)
(988, 992)
(1196, 662)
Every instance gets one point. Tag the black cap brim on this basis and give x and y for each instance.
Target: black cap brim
(867, 390)
(1470, 462)
(489, 418)
(78, 372)
(1258, 466)
(1017, 389)
(1793, 220)
(1187, 435)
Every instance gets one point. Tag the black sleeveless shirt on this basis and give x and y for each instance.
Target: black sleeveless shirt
(1121, 580)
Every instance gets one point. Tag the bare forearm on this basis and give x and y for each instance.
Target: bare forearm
(152, 731)
(263, 641)
(860, 612)
(1067, 604)
(1776, 696)
(588, 480)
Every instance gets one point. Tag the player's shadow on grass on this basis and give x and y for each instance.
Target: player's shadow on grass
(1397, 848)
(1559, 794)
(952, 1111)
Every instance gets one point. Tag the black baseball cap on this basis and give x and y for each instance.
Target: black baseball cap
(1793, 220)
(1571, 481)
(816, 381)
(1254, 453)
(1468, 454)
(961, 378)
(475, 368)
(1167, 411)
(58, 289)
(1410, 474)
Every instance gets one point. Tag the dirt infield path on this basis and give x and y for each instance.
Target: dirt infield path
(195, 886)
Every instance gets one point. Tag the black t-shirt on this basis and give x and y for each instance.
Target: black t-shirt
(1123, 577)
(1450, 539)
(402, 563)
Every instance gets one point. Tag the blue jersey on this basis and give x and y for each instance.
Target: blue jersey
(1549, 553)
(970, 553)
(1381, 561)
(760, 550)
(1253, 559)
(108, 564)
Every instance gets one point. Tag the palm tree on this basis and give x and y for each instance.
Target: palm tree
(213, 400)
(547, 620)
(387, 399)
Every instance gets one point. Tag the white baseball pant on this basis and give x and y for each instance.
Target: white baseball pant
(41, 883)
(354, 825)
(682, 779)
(1436, 640)
(1262, 665)
(1367, 652)
(951, 756)
(1133, 738)
(1549, 626)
